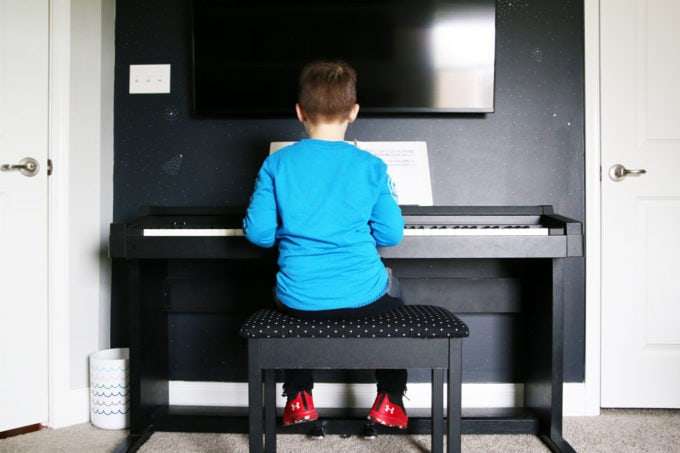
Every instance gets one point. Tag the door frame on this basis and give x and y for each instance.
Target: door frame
(593, 205)
(68, 384)
(60, 404)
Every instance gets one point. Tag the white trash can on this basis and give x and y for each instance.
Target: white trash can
(109, 388)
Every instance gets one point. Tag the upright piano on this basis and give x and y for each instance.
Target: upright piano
(449, 256)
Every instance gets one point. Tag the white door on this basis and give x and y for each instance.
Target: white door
(24, 26)
(640, 70)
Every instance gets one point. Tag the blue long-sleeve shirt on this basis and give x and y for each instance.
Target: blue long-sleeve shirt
(328, 205)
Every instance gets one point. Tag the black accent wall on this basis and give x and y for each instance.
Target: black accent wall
(529, 151)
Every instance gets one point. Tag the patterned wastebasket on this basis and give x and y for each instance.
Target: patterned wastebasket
(109, 388)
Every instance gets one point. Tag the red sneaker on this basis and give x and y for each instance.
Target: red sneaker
(388, 414)
(300, 409)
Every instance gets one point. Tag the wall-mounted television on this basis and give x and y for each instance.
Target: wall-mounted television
(411, 56)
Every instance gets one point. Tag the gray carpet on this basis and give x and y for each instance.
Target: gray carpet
(615, 430)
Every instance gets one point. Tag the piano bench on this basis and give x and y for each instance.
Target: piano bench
(412, 336)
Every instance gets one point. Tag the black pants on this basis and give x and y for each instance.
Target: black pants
(389, 381)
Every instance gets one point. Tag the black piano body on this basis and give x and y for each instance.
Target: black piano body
(475, 260)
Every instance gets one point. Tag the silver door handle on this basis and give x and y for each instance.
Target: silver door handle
(27, 166)
(618, 172)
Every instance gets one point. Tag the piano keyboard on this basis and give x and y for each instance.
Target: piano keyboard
(430, 232)
(409, 230)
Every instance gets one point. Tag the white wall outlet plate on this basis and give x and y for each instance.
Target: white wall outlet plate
(149, 78)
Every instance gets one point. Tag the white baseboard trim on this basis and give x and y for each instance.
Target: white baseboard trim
(235, 394)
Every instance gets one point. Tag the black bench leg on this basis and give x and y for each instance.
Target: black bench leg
(437, 410)
(270, 411)
(254, 397)
(454, 395)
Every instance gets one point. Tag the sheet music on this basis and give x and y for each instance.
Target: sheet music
(407, 164)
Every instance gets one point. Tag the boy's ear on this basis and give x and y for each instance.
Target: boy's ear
(354, 113)
(300, 113)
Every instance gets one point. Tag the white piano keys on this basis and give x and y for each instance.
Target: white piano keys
(192, 232)
(408, 231)
(477, 231)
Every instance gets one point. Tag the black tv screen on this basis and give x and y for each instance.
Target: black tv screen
(411, 56)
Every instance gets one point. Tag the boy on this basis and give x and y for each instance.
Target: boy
(328, 205)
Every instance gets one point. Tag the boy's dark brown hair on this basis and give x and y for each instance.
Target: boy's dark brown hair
(327, 90)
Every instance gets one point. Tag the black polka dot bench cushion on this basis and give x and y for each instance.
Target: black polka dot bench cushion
(425, 321)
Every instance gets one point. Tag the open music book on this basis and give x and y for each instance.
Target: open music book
(407, 164)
